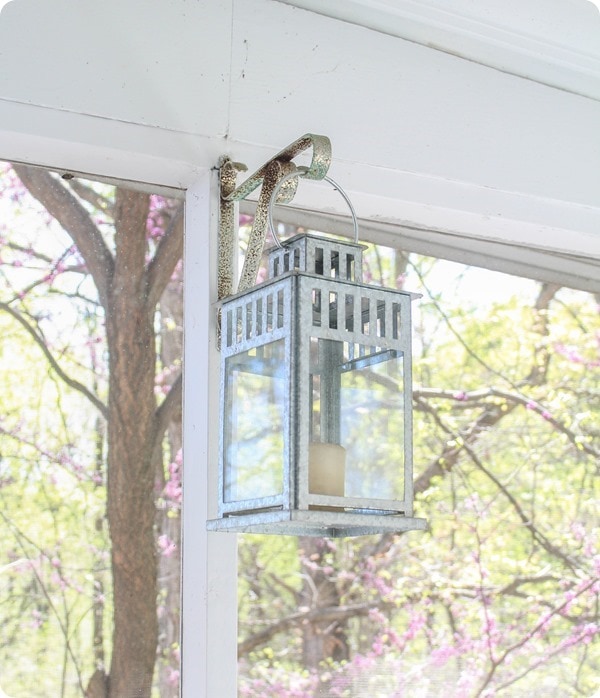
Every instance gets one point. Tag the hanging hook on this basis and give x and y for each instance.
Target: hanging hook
(300, 172)
(269, 176)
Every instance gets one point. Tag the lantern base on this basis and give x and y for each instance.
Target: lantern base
(329, 524)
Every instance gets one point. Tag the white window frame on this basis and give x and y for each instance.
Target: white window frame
(209, 616)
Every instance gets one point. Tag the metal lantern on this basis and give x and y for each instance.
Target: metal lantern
(316, 400)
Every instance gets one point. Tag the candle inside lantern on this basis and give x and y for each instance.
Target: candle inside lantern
(326, 469)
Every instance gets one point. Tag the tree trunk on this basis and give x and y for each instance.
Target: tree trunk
(129, 288)
(130, 482)
(321, 640)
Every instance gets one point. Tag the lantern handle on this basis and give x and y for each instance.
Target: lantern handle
(300, 172)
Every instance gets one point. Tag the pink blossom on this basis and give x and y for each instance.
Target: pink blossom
(376, 615)
(173, 491)
(37, 619)
(377, 646)
(590, 630)
(361, 661)
(442, 654)
(166, 545)
(415, 624)
(173, 677)
(569, 596)
(173, 488)
(569, 352)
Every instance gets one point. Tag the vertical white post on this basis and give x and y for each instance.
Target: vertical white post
(209, 599)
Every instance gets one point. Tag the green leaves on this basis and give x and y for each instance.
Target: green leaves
(503, 590)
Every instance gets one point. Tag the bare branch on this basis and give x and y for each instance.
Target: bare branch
(27, 250)
(92, 197)
(73, 217)
(169, 252)
(527, 637)
(450, 325)
(21, 538)
(168, 409)
(492, 413)
(536, 534)
(546, 295)
(464, 442)
(441, 465)
(464, 398)
(71, 382)
(316, 615)
(518, 582)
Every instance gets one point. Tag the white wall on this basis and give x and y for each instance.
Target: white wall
(421, 137)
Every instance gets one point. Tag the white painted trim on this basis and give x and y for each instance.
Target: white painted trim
(68, 141)
(88, 144)
(580, 272)
(456, 208)
(461, 32)
(209, 618)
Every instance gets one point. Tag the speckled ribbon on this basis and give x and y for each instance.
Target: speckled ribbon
(268, 175)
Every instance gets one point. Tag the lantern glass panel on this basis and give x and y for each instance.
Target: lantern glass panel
(357, 420)
(253, 448)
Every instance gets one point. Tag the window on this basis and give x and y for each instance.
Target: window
(501, 594)
(91, 317)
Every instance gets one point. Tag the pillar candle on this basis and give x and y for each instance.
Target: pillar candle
(326, 469)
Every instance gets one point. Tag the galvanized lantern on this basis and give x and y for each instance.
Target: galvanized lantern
(316, 401)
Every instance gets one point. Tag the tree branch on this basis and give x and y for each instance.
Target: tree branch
(518, 582)
(451, 451)
(168, 253)
(73, 217)
(71, 382)
(27, 250)
(317, 615)
(527, 637)
(20, 538)
(536, 534)
(167, 410)
(92, 197)
(485, 393)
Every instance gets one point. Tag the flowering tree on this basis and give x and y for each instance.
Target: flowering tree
(501, 595)
(121, 258)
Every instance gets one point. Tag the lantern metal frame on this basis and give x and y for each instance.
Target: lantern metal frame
(371, 323)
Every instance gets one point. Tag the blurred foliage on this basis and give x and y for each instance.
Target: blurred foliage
(500, 595)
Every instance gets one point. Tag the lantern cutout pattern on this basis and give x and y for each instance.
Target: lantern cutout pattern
(316, 399)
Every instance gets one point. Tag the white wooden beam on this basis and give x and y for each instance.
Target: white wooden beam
(209, 615)
(554, 42)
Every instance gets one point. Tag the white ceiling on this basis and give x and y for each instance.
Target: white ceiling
(555, 42)
(463, 117)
